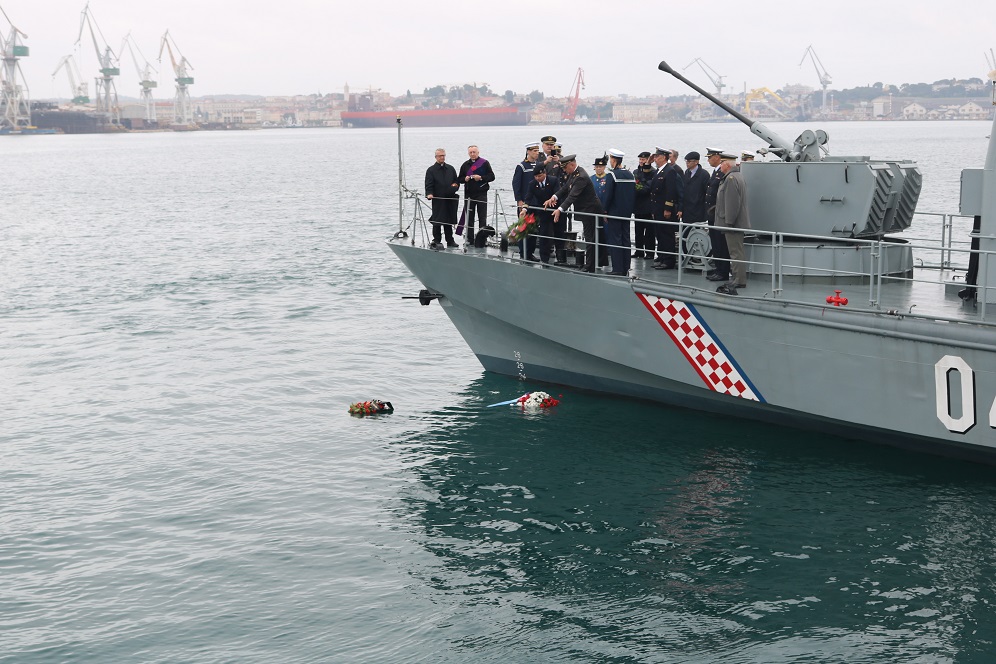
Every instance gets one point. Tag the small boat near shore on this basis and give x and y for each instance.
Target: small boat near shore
(846, 326)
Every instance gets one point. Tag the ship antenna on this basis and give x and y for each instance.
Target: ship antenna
(401, 185)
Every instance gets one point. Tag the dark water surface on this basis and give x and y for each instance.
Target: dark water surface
(184, 319)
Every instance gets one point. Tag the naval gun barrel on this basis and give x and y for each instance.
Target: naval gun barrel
(788, 150)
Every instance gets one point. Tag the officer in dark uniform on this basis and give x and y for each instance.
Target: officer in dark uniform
(578, 191)
(604, 190)
(621, 205)
(665, 202)
(644, 237)
(720, 252)
(539, 192)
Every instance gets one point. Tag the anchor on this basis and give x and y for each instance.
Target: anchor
(837, 300)
(424, 297)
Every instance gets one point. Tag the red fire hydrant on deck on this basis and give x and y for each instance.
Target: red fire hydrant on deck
(837, 300)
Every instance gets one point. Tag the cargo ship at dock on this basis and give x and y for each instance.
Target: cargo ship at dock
(487, 116)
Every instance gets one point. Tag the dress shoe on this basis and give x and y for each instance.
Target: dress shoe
(617, 274)
(637, 254)
(666, 266)
(584, 269)
(532, 259)
(560, 262)
(715, 276)
(452, 244)
(727, 289)
(967, 293)
(434, 245)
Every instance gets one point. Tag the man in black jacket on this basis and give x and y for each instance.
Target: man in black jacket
(441, 188)
(577, 190)
(475, 174)
(693, 207)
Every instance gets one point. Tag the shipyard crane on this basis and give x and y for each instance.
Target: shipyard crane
(145, 79)
(79, 87)
(821, 72)
(760, 97)
(15, 107)
(715, 77)
(182, 111)
(104, 88)
(571, 110)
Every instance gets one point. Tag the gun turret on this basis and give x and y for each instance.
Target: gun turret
(805, 148)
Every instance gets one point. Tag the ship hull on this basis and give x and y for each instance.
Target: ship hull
(446, 117)
(918, 384)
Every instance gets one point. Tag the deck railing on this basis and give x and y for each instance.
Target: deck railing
(949, 253)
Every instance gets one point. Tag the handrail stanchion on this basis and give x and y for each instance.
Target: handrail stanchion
(984, 280)
(680, 247)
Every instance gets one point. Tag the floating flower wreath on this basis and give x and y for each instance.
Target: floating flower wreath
(533, 401)
(372, 407)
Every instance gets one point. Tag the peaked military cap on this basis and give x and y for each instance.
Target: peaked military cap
(726, 156)
(617, 153)
(568, 158)
(713, 151)
(693, 156)
(548, 139)
(659, 150)
(539, 169)
(644, 154)
(749, 156)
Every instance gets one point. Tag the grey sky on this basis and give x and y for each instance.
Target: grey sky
(304, 46)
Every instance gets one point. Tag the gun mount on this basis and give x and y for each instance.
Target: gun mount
(805, 148)
(809, 192)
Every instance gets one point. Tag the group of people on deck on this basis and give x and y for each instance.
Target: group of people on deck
(548, 184)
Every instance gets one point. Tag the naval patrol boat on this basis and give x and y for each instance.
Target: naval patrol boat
(898, 358)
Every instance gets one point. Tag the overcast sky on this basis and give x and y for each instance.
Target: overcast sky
(305, 46)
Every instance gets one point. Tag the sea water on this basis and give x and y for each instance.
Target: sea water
(184, 321)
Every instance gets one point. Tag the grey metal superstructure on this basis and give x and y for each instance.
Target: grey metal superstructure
(905, 361)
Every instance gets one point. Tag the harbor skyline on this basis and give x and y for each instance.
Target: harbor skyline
(320, 47)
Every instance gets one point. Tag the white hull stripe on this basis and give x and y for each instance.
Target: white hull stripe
(703, 350)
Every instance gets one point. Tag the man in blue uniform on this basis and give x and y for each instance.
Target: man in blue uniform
(644, 237)
(540, 190)
(665, 202)
(604, 189)
(621, 205)
(521, 180)
(577, 190)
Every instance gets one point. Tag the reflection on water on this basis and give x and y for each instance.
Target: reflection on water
(610, 528)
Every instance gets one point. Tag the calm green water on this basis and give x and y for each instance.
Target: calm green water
(184, 320)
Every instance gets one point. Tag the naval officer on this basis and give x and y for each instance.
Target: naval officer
(665, 202)
(644, 238)
(523, 175)
(578, 191)
(720, 252)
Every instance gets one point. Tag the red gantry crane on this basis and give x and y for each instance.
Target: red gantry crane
(571, 110)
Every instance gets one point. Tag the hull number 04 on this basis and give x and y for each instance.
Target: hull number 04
(952, 374)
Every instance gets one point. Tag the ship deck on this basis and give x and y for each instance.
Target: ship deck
(931, 292)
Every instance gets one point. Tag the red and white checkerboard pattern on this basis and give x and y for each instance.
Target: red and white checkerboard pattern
(697, 345)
